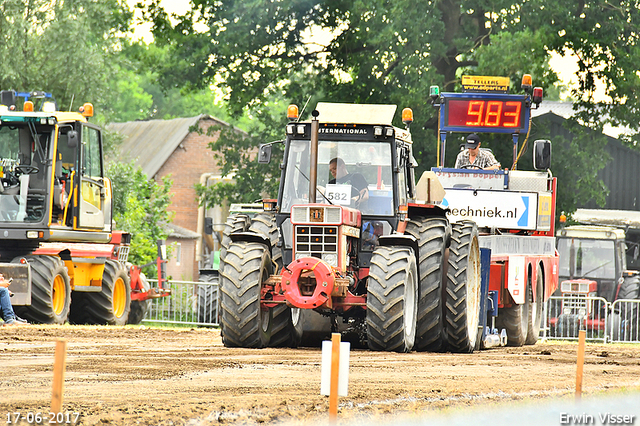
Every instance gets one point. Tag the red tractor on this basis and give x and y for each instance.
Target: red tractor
(352, 243)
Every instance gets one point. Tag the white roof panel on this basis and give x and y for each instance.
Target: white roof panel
(355, 113)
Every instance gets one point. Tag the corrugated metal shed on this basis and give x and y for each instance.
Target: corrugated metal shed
(565, 110)
(618, 175)
(151, 143)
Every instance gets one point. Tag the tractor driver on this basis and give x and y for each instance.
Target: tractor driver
(475, 158)
(359, 191)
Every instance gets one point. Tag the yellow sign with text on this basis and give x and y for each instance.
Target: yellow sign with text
(481, 83)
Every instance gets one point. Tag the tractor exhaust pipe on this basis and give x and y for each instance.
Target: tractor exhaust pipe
(313, 164)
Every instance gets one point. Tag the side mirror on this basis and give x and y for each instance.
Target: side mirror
(264, 156)
(208, 226)
(72, 139)
(7, 98)
(542, 154)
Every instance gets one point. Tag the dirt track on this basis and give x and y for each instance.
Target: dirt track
(122, 376)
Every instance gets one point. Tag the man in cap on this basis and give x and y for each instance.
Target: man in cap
(475, 158)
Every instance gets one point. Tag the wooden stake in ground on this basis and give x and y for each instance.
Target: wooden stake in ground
(581, 338)
(59, 364)
(335, 369)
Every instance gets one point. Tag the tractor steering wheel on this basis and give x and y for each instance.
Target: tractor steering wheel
(27, 170)
(471, 166)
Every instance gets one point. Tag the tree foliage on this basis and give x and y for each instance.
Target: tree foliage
(377, 51)
(63, 47)
(140, 208)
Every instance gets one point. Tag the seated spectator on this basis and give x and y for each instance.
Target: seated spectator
(6, 310)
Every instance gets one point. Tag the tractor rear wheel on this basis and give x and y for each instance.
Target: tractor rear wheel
(208, 299)
(138, 309)
(109, 306)
(515, 319)
(265, 225)
(244, 324)
(630, 289)
(287, 327)
(50, 291)
(535, 310)
(432, 235)
(392, 299)
(462, 292)
(236, 222)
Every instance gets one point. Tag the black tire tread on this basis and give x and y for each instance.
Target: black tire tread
(43, 271)
(208, 299)
(138, 309)
(432, 235)
(265, 224)
(385, 298)
(97, 308)
(464, 236)
(240, 282)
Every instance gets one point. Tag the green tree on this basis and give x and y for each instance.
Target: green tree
(378, 53)
(140, 208)
(67, 48)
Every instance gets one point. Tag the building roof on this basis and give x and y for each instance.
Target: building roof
(565, 110)
(150, 143)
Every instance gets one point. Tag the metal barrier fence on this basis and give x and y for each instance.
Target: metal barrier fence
(190, 303)
(602, 321)
(197, 303)
(625, 321)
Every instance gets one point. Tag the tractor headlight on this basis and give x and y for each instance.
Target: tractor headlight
(331, 259)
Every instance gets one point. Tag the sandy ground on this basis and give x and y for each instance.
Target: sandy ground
(141, 375)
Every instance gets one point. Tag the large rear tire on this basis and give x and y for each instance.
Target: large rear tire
(109, 306)
(50, 291)
(515, 319)
(432, 235)
(630, 289)
(265, 225)
(462, 293)
(236, 222)
(244, 323)
(139, 309)
(287, 327)
(391, 299)
(535, 310)
(208, 299)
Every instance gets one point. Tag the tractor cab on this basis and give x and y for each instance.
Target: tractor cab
(52, 179)
(592, 260)
(362, 170)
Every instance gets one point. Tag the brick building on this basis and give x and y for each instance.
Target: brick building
(170, 147)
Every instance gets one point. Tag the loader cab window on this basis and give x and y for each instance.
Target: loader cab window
(23, 170)
(92, 160)
(93, 209)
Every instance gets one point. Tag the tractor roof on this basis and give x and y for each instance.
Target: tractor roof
(60, 116)
(591, 231)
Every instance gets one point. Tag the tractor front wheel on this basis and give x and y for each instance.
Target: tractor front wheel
(244, 323)
(391, 299)
(109, 306)
(50, 291)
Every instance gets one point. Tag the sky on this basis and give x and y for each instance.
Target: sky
(564, 66)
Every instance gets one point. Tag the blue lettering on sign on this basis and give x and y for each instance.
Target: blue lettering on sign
(524, 219)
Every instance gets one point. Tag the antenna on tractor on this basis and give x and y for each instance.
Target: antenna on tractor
(305, 105)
